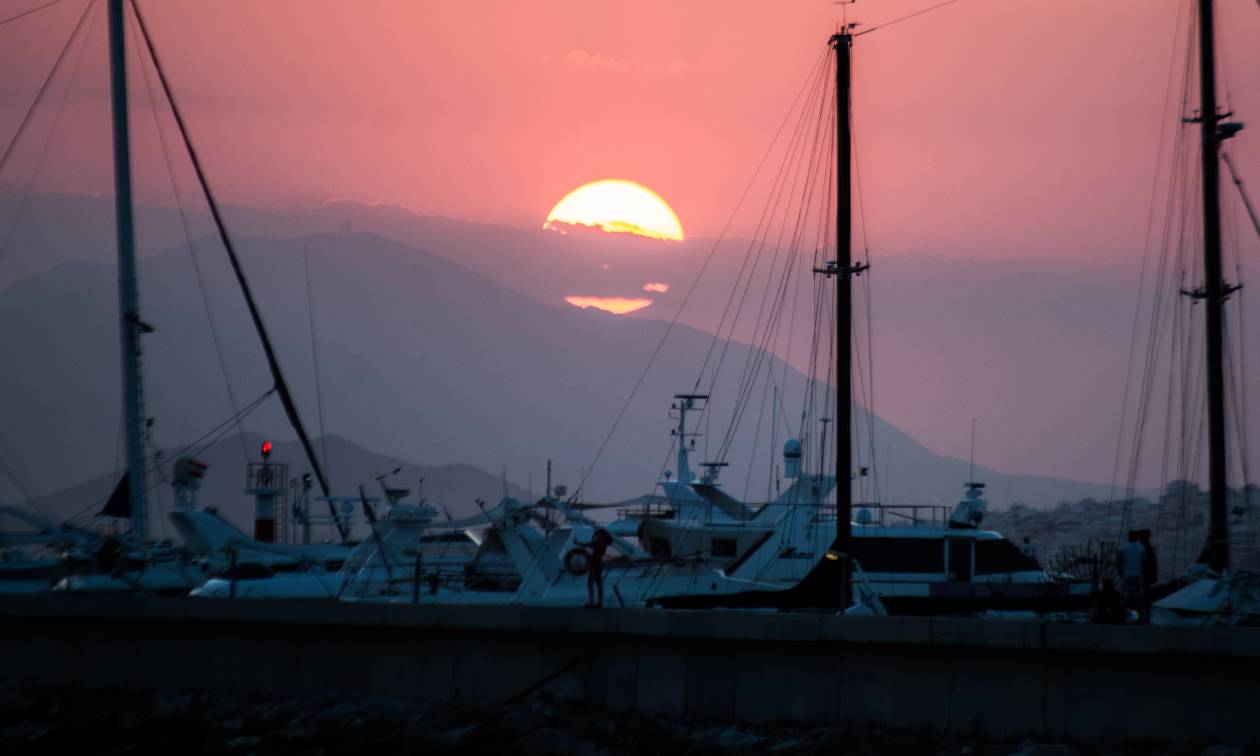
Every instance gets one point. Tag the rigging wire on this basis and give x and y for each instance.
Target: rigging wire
(789, 171)
(1165, 121)
(1242, 193)
(756, 243)
(26, 13)
(61, 104)
(867, 296)
(188, 236)
(282, 389)
(887, 24)
(10, 468)
(1182, 178)
(13, 472)
(43, 88)
(686, 297)
(319, 391)
(205, 441)
(756, 355)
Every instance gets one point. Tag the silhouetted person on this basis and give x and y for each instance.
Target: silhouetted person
(1028, 549)
(598, 545)
(1150, 572)
(1108, 605)
(1132, 557)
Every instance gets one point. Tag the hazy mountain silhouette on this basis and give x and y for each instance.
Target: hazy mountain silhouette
(1035, 349)
(419, 358)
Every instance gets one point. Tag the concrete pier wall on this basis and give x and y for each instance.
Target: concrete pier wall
(1013, 679)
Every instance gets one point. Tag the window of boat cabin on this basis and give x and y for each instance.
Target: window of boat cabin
(722, 547)
(917, 555)
(959, 558)
(659, 547)
(1000, 555)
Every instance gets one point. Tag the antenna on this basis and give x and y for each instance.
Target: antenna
(971, 473)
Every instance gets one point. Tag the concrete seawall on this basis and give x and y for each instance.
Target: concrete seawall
(1013, 679)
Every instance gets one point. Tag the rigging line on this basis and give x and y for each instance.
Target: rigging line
(1165, 121)
(817, 75)
(26, 13)
(761, 341)
(1182, 178)
(188, 235)
(887, 24)
(61, 105)
(319, 392)
(13, 473)
(866, 296)
(43, 88)
(282, 388)
(1232, 395)
(218, 429)
(690, 290)
(1242, 192)
(789, 171)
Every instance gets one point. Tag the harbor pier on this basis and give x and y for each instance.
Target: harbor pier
(1066, 682)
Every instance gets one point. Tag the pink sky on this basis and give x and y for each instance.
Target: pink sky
(986, 128)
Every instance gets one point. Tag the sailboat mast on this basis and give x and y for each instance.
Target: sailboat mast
(128, 290)
(1214, 292)
(842, 43)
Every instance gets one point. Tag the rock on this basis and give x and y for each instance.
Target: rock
(20, 737)
(709, 736)
(221, 733)
(1219, 749)
(171, 706)
(301, 729)
(1032, 747)
(551, 741)
(734, 740)
(242, 744)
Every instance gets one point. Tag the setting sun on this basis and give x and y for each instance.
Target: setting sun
(617, 207)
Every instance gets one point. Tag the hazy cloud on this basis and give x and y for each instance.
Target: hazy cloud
(581, 58)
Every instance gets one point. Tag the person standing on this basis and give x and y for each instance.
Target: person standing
(598, 545)
(1028, 549)
(1132, 557)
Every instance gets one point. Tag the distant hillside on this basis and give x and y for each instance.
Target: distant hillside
(1034, 348)
(417, 356)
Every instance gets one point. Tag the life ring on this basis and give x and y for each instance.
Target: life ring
(577, 561)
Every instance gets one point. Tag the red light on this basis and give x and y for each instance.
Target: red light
(266, 449)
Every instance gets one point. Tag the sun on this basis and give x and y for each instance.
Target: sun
(616, 206)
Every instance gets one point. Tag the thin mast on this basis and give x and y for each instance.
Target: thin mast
(971, 470)
(128, 290)
(842, 43)
(1214, 293)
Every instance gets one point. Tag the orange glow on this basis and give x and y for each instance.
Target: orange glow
(656, 287)
(617, 207)
(615, 305)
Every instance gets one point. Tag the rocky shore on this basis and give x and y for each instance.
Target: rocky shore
(46, 720)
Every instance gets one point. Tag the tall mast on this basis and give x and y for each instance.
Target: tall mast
(130, 324)
(842, 43)
(1214, 293)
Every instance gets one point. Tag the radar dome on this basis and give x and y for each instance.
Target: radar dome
(792, 458)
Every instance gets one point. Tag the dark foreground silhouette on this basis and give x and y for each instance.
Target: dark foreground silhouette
(48, 720)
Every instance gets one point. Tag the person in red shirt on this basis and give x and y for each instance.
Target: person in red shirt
(598, 545)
